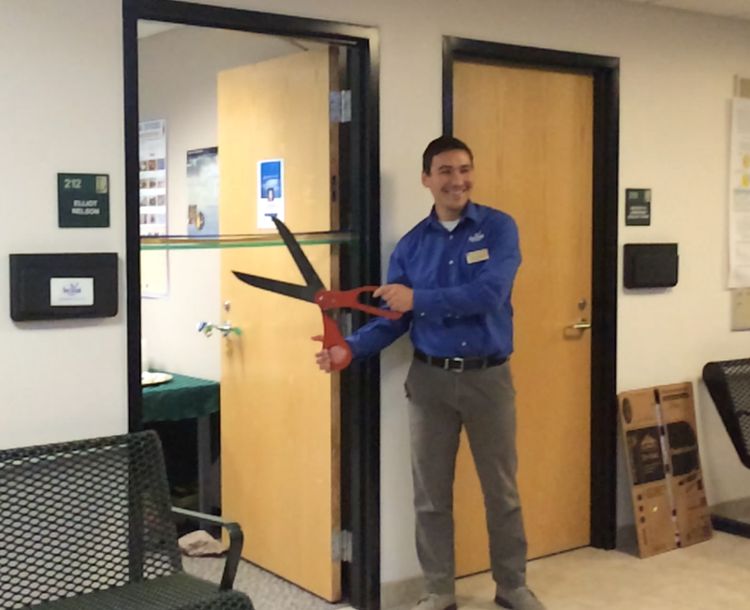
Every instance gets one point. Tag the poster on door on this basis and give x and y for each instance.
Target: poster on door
(270, 192)
(203, 192)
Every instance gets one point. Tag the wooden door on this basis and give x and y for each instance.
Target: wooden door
(531, 134)
(279, 413)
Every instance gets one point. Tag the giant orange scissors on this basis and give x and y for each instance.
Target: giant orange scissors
(314, 291)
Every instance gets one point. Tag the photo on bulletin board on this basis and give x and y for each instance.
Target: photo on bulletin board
(203, 192)
(152, 143)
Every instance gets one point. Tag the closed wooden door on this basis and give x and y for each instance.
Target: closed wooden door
(531, 134)
(280, 424)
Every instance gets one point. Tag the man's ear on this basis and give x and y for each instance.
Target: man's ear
(424, 178)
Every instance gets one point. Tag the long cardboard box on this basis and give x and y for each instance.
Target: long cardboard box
(669, 499)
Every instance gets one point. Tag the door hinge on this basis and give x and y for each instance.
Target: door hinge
(334, 189)
(340, 106)
(342, 546)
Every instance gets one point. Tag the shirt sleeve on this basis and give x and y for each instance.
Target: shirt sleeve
(379, 333)
(488, 290)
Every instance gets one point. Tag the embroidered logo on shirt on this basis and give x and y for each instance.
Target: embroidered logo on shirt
(478, 236)
(476, 256)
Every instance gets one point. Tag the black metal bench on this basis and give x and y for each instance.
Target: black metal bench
(88, 524)
(728, 383)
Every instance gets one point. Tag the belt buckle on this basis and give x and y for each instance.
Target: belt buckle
(459, 369)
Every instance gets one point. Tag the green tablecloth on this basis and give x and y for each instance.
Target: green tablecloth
(182, 397)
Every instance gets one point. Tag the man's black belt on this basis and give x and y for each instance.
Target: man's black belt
(459, 364)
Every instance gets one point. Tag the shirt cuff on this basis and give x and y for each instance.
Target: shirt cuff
(353, 347)
(419, 303)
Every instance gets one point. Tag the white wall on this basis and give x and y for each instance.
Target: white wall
(61, 101)
(676, 78)
(177, 82)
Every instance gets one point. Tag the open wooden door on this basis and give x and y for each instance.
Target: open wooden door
(531, 133)
(280, 415)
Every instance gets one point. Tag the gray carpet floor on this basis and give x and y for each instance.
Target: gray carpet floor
(266, 590)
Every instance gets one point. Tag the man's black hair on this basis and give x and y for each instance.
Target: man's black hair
(441, 145)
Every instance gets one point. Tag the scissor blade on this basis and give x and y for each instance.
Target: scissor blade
(312, 279)
(304, 293)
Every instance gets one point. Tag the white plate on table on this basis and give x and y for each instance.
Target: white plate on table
(154, 378)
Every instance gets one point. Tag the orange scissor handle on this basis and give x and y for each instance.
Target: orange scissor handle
(332, 337)
(338, 299)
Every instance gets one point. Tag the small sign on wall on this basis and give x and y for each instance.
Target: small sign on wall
(83, 200)
(638, 207)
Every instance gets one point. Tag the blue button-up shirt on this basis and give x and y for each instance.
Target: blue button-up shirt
(462, 281)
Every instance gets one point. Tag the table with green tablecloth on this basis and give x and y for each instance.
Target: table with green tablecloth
(184, 397)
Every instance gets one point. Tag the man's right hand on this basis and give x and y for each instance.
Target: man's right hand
(328, 357)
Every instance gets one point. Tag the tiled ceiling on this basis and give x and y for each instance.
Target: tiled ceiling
(739, 9)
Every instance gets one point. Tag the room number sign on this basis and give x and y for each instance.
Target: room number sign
(83, 200)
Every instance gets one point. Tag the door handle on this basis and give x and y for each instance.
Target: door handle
(580, 325)
(575, 330)
(226, 328)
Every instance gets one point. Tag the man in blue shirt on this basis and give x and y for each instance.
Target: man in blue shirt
(452, 277)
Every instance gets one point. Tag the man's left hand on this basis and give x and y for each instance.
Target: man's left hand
(399, 297)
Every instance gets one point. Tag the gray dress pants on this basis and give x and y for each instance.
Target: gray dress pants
(440, 402)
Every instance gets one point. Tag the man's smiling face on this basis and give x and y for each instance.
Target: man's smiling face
(450, 181)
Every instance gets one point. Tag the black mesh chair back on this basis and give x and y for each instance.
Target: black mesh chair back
(83, 516)
(728, 382)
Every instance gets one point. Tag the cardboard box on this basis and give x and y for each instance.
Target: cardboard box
(669, 500)
(685, 476)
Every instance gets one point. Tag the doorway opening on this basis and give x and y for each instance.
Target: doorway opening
(231, 116)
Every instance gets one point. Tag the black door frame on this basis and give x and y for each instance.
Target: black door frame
(605, 72)
(360, 423)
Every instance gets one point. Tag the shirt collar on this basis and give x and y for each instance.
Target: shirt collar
(470, 212)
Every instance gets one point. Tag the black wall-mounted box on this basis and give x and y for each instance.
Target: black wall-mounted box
(650, 265)
(56, 286)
